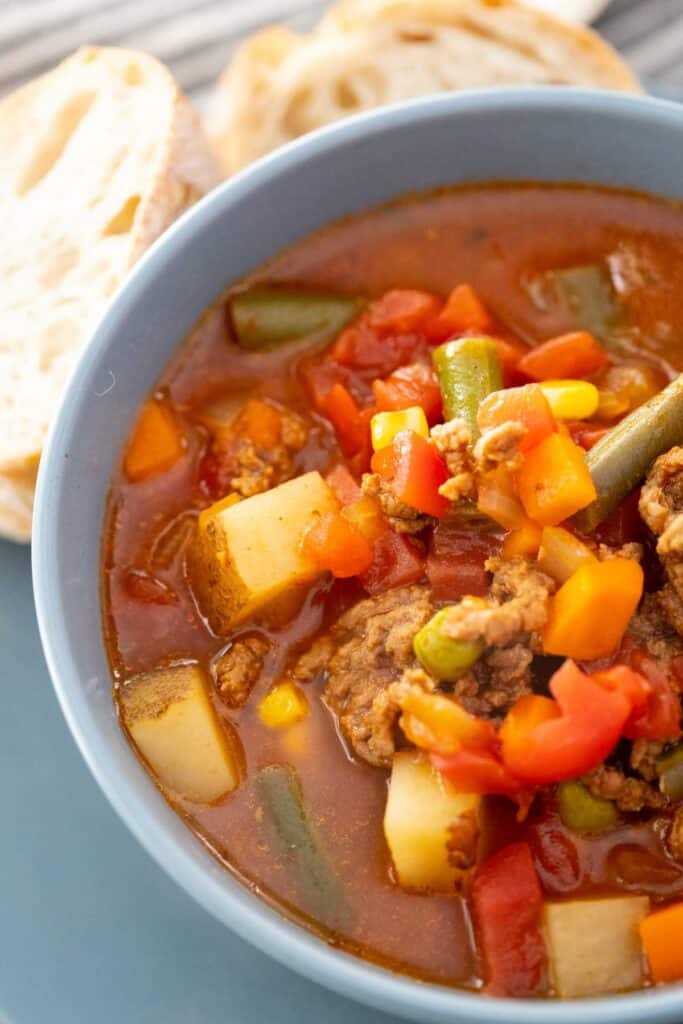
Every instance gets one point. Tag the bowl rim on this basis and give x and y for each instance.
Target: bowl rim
(252, 919)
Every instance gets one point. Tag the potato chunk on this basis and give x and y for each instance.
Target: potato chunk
(593, 945)
(174, 726)
(249, 553)
(424, 813)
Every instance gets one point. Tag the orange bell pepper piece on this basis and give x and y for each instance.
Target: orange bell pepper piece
(156, 445)
(571, 355)
(525, 540)
(661, 934)
(554, 481)
(589, 614)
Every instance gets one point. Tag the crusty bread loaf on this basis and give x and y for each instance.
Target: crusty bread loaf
(96, 159)
(366, 53)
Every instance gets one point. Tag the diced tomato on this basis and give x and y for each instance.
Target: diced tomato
(464, 311)
(455, 563)
(507, 902)
(397, 561)
(526, 405)
(367, 352)
(586, 434)
(402, 311)
(569, 356)
(318, 377)
(660, 719)
(415, 471)
(478, 771)
(344, 484)
(624, 525)
(335, 544)
(415, 384)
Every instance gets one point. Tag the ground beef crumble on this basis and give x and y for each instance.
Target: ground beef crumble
(238, 669)
(366, 651)
(629, 794)
(661, 508)
(402, 518)
(498, 679)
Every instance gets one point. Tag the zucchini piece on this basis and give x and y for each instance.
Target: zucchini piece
(468, 370)
(279, 791)
(265, 317)
(620, 460)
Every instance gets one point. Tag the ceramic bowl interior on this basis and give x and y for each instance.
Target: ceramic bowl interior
(542, 134)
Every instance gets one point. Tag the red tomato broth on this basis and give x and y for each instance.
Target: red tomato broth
(496, 239)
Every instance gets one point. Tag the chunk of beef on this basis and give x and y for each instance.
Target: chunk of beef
(402, 518)
(255, 451)
(674, 839)
(498, 679)
(365, 652)
(238, 669)
(629, 794)
(643, 757)
(516, 607)
(661, 508)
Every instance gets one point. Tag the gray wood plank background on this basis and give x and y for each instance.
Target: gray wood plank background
(196, 37)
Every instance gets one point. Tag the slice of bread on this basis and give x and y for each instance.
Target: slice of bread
(367, 53)
(97, 158)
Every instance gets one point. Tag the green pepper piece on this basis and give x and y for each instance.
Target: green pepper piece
(263, 317)
(581, 811)
(620, 460)
(280, 793)
(670, 770)
(468, 370)
(588, 295)
(445, 659)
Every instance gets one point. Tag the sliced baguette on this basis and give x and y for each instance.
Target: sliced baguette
(367, 53)
(97, 158)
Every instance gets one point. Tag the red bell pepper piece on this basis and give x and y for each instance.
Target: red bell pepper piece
(464, 312)
(526, 405)
(571, 355)
(335, 544)
(415, 471)
(478, 771)
(455, 562)
(397, 560)
(507, 902)
(415, 384)
(547, 741)
(660, 718)
(586, 434)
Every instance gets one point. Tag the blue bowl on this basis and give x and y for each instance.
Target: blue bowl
(522, 134)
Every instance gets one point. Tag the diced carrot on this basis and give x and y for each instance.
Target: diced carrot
(526, 405)
(590, 612)
(554, 481)
(571, 355)
(464, 311)
(525, 540)
(156, 445)
(661, 934)
(336, 544)
(261, 422)
(344, 484)
(351, 425)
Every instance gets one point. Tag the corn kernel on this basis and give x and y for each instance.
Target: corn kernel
(384, 426)
(571, 399)
(283, 706)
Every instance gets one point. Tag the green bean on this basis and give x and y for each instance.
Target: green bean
(670, 771)
(620, 460)
(588, 295)
(444, 658)
(263, 317)
(581, 811)
(468, 370)
(279, 791)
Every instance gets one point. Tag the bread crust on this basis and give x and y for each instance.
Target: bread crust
(97, 158)
(365, 53)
